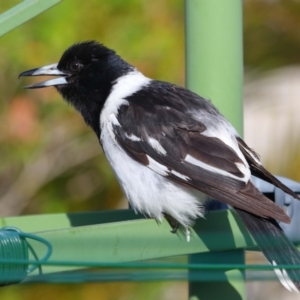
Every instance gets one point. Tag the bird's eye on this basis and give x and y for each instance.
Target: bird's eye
(75, 66)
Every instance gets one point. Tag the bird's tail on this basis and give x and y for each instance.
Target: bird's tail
(276, 247)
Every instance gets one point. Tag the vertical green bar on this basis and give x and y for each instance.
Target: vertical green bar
(227, 284)
(214, 54)
(214, 70)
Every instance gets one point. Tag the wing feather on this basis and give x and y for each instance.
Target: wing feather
(221, 171)
(259, 171)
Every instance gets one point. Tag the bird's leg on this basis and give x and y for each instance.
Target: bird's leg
(187, 234)
(172, 222)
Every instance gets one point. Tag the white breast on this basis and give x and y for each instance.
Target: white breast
(148, 192)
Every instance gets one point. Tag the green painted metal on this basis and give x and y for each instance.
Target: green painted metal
(127, 241)
(229, 287)
(214, 56)
(35, 223)
(214, 70)
(23, 12)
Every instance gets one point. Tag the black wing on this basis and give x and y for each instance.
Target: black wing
(259, 171)
(183, 137)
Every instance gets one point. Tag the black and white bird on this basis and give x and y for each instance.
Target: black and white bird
(168, 146)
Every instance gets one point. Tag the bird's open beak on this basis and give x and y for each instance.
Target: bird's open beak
(50, 70)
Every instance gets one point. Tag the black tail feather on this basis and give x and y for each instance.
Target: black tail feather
(276, 247)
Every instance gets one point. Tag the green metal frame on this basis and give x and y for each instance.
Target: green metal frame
(215, 71)
(214, 54)
(22, 13)
(123, 236)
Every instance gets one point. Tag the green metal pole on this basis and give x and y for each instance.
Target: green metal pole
(22, 13)
(214, 70)
(214, 57)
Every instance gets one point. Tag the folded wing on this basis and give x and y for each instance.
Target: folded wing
(201, 155)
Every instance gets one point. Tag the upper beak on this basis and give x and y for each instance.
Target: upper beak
(50, 70)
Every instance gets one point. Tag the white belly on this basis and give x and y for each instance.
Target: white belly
(149, 192)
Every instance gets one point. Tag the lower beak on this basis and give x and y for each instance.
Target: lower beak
(50, 70)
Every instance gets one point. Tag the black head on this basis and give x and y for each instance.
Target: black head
(87, 72)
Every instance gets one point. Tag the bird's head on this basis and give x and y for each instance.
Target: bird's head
(84, 75)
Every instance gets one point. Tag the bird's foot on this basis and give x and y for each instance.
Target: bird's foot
(175, 226)
(172, 222)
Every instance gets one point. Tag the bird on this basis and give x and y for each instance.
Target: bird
(168, 147)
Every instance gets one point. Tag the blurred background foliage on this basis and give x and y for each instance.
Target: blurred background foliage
(51, 162)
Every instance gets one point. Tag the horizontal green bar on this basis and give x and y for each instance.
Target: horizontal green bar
(123, 236)
(23, 12)
(102, 239)
(128, 241)
(162, 266)
(138, 276)
(34, 223)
